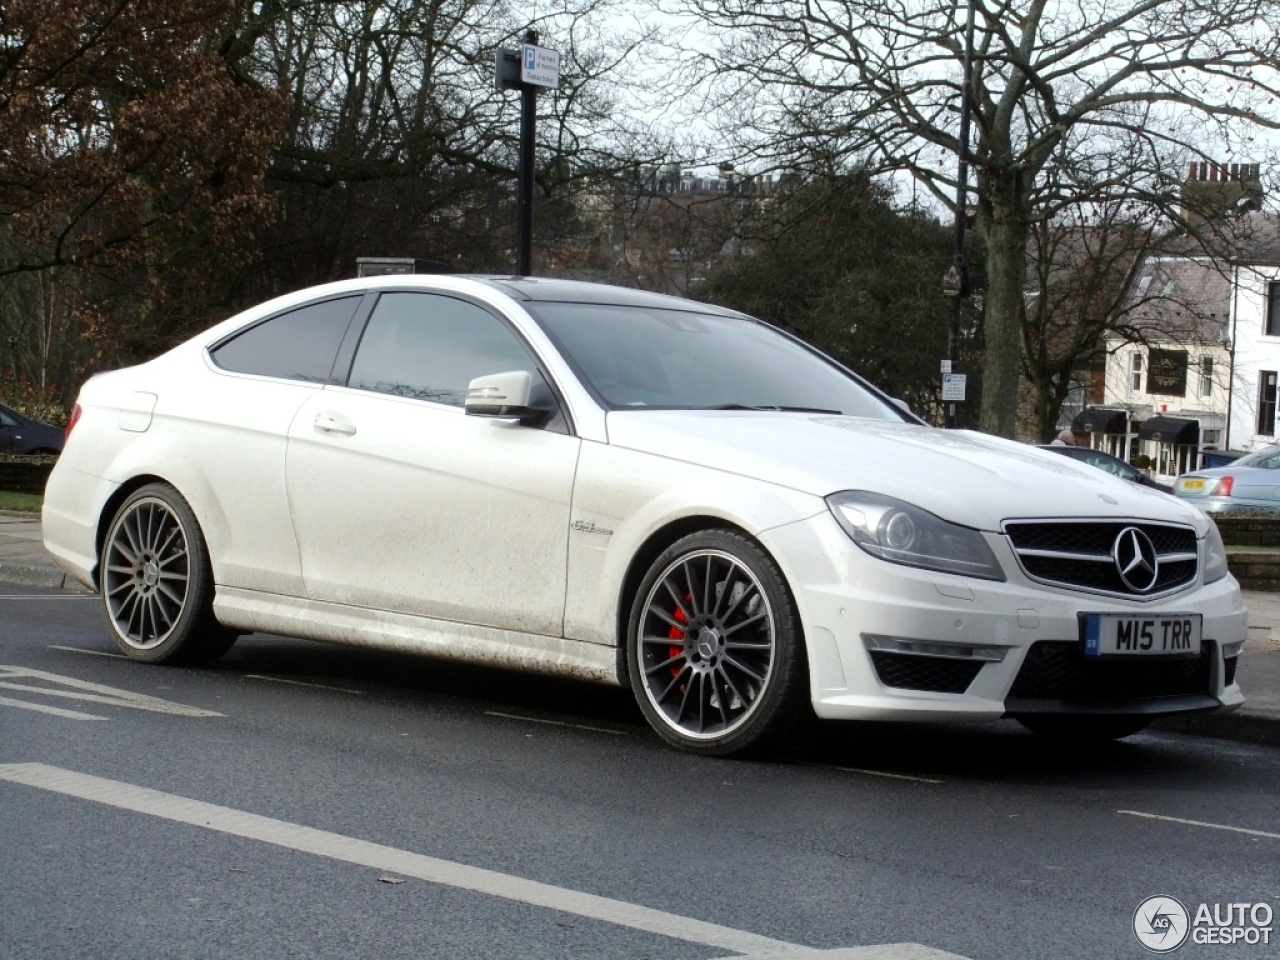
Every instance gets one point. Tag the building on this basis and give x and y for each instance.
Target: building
(1193, 364)
(1255, 335)
(1166, 382)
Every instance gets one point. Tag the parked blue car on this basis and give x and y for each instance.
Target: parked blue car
(22, 435)
(1110, 464)
(1248, 485)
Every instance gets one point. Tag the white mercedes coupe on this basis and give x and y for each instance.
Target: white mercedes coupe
(576, 479)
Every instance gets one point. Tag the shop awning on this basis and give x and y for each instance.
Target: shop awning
(1099, 420)
(1170, 430)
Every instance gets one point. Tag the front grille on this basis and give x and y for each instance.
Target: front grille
(910, 671)
(1081, 555)
(1059, 670)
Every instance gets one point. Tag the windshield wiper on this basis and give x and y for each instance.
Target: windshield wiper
(772, 408)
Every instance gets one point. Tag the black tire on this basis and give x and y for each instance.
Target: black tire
(715, 650)
(1085, 728)
(157, 583)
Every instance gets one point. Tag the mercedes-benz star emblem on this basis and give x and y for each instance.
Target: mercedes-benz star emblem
(1136, 560)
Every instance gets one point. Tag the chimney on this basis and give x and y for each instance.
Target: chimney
(1213, 190)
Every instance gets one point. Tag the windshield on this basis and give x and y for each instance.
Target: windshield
(639, 357)
(1267, 458)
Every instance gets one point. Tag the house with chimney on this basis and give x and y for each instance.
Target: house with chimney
(1193, 365)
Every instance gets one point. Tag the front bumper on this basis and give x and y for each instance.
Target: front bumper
(890, 642)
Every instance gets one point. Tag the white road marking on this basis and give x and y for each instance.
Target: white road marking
(54, 711)
(1201, 823)
(95, 693)
(389, 860)
(891, 776)
(92, 653)
(302, 683)
(554, 723)
(882, 951)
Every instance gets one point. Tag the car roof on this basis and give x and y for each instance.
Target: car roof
(581, 291)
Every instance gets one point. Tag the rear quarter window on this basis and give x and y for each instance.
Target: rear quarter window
(300, 344)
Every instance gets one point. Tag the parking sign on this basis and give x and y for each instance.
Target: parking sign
(540, 66)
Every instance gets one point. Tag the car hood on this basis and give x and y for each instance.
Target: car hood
(966, 477)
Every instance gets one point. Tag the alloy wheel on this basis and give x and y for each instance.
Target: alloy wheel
(147, 573)
(707, 644)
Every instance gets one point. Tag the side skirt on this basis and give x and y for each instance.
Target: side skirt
(249, 610)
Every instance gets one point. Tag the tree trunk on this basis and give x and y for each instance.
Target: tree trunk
(1007, 231)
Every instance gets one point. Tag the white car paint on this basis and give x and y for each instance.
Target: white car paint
(477, 501)
(356, 517)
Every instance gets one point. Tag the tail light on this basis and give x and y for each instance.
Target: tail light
(1223, 487)
(71, 422)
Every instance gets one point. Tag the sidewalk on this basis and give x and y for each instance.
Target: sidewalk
(23, 560)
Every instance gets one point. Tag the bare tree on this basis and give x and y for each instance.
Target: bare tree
(400, 144)
(1060, 91)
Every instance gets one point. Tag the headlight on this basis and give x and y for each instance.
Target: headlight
(901, 533)
(1215, 555)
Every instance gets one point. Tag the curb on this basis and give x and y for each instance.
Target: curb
(36, 575)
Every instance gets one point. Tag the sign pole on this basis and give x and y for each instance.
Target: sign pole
(528, 121)
(956, 283)
(526, 70)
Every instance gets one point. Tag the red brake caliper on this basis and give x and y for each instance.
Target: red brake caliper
(675, 633)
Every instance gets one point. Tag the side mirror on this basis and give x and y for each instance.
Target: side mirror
(507, 396)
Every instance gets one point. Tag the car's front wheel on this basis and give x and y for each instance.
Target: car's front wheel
(715, 647)
(157, 583)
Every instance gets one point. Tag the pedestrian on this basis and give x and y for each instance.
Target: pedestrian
(1065, 438)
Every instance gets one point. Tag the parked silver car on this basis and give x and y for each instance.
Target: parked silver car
(1249, 485)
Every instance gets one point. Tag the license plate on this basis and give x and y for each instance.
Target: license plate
(1193, 486)
(1124, 635)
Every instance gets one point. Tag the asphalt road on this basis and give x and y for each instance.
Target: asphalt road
(356, 805)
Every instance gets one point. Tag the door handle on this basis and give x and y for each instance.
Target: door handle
(326, 422)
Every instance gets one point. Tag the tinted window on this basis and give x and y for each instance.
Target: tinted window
(431, 347)
(637, 357)
(298, 345)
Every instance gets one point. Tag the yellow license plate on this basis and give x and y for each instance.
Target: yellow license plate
(1193, 486)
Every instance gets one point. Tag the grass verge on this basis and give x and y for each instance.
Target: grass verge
(22, 502)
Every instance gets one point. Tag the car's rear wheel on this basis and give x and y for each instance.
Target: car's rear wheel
(157, 583)
(1084, 729)
(715, 648)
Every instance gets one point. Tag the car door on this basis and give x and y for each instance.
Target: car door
(402, 502)
(233, 421)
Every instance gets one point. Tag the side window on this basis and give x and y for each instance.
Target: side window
(1267, 402)
(1273, 309)
(430, 347)
(7, 421)
(298, 345)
